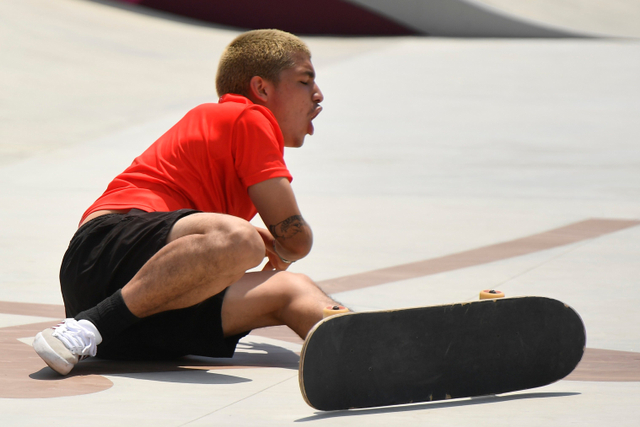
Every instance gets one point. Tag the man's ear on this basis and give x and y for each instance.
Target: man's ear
(259, 90)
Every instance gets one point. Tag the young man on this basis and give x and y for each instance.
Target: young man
(158, 266)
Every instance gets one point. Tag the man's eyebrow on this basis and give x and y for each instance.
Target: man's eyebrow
(309, 73)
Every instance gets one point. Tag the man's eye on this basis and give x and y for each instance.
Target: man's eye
(305, 83)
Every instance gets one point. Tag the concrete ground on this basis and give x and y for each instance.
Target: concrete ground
(509, 164)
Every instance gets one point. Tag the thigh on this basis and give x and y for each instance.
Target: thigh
(206, 222)
(211, 328)
(106, 252)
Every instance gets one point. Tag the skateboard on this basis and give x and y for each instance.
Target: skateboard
(491, 346)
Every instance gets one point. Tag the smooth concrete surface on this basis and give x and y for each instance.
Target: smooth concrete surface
(460, 18)
(607, 17)
(427, 148)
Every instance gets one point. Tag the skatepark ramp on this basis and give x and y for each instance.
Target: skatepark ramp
(440, 18)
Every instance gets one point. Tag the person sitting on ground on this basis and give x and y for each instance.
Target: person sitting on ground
(158, 267)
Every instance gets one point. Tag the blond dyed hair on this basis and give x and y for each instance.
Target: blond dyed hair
(264, 53)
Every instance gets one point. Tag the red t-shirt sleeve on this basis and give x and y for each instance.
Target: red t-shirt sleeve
(258, 147)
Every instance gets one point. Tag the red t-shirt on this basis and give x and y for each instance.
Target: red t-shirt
(205, 162)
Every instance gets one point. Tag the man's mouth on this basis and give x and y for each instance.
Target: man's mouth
(317, 110)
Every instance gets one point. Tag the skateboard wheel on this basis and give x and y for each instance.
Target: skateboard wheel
(491, 294)
(333, 309)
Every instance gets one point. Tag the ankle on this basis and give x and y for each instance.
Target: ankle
(110, 317)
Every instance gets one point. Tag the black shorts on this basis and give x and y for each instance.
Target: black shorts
(104, 255)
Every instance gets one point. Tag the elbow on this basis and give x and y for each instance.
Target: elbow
(299, 246)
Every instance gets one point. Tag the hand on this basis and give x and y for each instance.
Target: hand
(275, 262)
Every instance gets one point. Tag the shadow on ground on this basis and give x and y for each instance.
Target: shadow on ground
(483, 400)
(189, 369)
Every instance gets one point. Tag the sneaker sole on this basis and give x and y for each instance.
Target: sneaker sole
(50, 357)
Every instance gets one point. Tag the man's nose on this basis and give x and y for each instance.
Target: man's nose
(318, 97)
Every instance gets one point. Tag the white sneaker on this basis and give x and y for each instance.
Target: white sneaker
(65, 345)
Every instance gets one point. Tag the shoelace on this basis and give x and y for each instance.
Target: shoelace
(76, 338)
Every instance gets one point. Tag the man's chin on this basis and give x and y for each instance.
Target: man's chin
(300, 144)
(294, 143)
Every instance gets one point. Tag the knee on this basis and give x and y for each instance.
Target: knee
(245, 245)
(237, 242)
(299, 302)
(295, 285)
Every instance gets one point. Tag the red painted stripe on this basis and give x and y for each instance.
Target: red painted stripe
(572, 233)
(334, 17)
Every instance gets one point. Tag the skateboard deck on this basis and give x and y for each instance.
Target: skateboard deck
(360, 360)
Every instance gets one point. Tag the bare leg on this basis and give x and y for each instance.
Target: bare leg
(204, 255)
(207, 253)
(273, 298)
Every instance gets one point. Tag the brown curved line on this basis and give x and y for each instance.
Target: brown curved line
(24, 375)
(572, 233)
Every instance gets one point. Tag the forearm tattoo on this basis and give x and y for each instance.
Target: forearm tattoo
(288, 228)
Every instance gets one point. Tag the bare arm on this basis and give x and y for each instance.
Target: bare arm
(279, 210)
